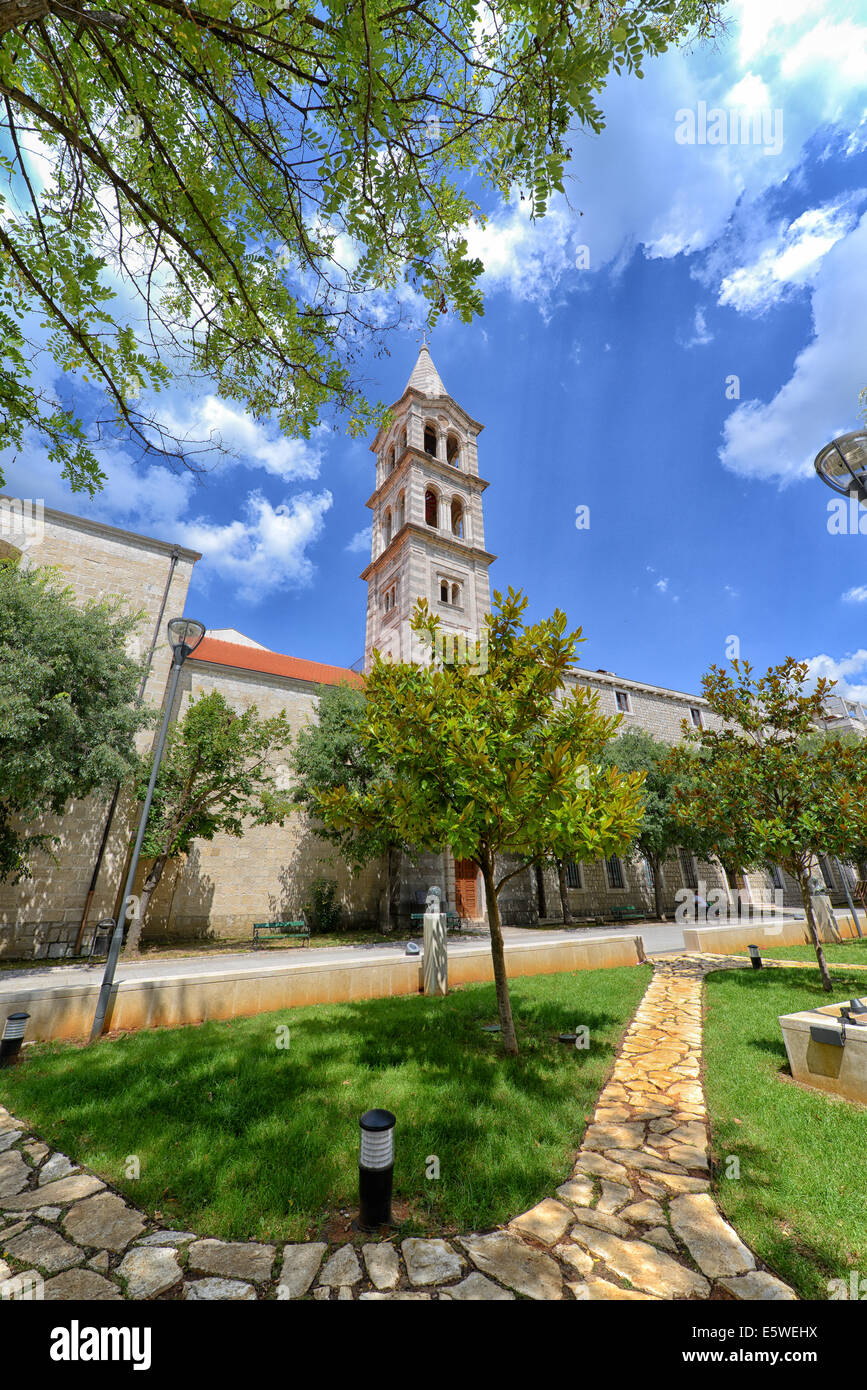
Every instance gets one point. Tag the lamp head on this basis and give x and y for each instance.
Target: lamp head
(842, 464)
(185, 634)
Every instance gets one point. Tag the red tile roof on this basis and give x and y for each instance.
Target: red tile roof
(273, 663)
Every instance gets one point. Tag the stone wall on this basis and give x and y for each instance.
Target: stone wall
(227, 884)
(40, 916)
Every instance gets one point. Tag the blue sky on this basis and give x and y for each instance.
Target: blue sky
(602, 371)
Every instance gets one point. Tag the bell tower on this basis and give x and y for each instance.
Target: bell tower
(428, 525)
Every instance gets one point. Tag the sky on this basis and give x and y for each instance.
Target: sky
(669, 348)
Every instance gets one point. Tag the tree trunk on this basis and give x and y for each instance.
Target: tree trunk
(154, 874)
(389, 905)
(564, 892)
(540, 892)
(804, 885)
(656, 865)
(501, 982)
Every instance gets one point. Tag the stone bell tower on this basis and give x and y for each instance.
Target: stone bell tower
(428, 526)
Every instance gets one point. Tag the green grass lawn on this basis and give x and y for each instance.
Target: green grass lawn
(799, 1201)
(847, 953)
(241, 1139)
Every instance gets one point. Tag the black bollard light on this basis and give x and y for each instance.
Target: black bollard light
(13, 1035)
(376, 1169)
(755, 957)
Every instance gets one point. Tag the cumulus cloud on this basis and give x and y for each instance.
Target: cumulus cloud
(842, 671)
(779, 439)
(255, 444)
(858, 594)
(797, 57)
(791, 260)
(361, 542)
(266, 548)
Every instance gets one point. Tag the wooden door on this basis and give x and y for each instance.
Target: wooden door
(466, 877)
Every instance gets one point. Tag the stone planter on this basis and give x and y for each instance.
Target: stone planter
(824, 1054)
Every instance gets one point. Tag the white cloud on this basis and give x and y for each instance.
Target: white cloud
(791, 260)
(779, 439)
(858, 594)
(661, 585)
(255, 444)
(265, 551)
(361, 542)
(638, 187)
(701, 334)
(840, 671)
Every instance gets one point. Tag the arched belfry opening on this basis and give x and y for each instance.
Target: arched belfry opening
(431, 507)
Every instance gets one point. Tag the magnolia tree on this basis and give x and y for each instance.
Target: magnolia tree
(500, 764)
(217, 776)
(329, 752)
(68, 711)
(768, 788)
(660, 833)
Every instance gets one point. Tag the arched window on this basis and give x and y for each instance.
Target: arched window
(400, 515)
(444, 591)
(430, 440)
(386, 526)
(457, 518)
(392, 459)
(456, 594)
(453, 451)
(430, 507)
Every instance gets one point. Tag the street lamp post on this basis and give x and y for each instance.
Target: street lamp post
(842, 466)
(185, 634)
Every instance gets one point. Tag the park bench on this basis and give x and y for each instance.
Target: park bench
(453, 921)
(270, 930)
(625, 914)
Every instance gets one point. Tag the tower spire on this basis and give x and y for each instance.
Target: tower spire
(425, 378)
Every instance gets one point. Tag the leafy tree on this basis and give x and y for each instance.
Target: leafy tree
(223, 191)
(661, 833)
(774, 792)
(67, 715)
(492, 763)
(329, 752)
(216, 777)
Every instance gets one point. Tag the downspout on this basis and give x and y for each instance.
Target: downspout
(116, 793)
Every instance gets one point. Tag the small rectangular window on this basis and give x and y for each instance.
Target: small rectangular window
(776, 875)
(614, 870)
(623, 704)
(687, 868)
(573, 874)
(695, 716)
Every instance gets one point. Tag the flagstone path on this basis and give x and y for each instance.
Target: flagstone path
(636, 1219)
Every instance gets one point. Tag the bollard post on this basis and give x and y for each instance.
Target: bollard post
(376, 1169)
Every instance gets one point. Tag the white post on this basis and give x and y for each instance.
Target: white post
(436, 969)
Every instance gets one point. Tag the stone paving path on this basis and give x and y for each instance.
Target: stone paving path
(635, 1220)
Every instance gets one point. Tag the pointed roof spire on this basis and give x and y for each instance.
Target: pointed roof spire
(425, 377)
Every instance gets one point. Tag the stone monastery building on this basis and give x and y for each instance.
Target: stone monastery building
(428, 541)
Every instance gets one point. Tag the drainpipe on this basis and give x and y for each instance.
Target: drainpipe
(106, 830)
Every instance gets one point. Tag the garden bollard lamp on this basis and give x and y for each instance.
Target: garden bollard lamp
(13, 1034)
(376, 1168)
(755, 957)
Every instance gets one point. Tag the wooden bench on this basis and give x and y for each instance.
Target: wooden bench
(625, 914)
(453, 921)
(277, 929)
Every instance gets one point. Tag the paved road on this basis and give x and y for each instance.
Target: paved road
(658, 939)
